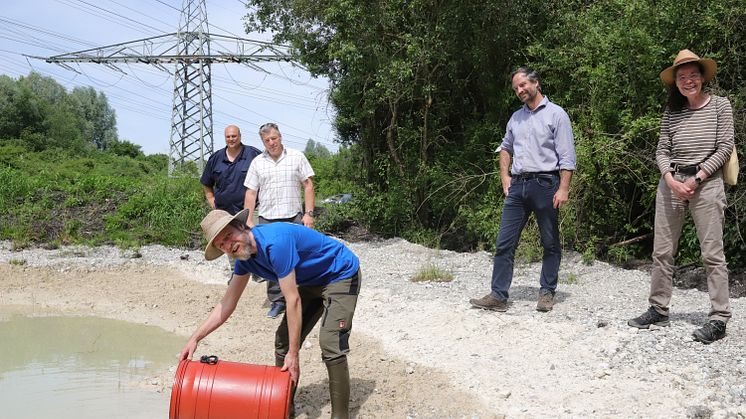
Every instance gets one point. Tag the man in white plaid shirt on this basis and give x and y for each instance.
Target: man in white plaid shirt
(277, 176)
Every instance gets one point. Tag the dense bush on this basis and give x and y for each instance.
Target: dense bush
(421, 90)
(422, 96)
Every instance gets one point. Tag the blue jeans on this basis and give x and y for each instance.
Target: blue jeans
(524, 197)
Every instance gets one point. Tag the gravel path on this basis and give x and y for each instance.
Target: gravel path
(580, 360)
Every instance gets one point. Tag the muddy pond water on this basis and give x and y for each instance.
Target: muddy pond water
(83, 367)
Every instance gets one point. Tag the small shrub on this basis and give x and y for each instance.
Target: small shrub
(71, 231)
(589, 254)
(432, 273)
(17, 262)
(336, 218)
(422, 236)
(619, 255)
(570, 279)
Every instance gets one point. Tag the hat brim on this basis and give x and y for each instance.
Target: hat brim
(212, 252)
(710, 67)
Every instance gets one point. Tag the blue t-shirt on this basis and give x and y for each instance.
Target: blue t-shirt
(227, 177)
(282, 247)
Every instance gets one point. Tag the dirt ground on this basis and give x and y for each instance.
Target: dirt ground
(382, 385)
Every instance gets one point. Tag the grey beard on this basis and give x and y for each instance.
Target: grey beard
(244, 254)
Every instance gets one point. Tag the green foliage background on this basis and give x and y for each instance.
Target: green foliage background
(66, 178)
(422, 96)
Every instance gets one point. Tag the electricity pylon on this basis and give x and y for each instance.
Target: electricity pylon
(190, 50)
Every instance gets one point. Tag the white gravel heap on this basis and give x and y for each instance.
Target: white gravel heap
(580, 360)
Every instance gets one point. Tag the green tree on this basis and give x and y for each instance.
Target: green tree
(97, 119)
(316, 149)
(38, 112)
(603, 61)
(421, 90)
(124, 148)
(416, 85)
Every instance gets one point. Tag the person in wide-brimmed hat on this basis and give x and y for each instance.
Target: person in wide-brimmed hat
(696, 140)
(318, 276)
(708, 67)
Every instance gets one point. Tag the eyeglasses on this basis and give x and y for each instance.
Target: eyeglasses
(691, 77)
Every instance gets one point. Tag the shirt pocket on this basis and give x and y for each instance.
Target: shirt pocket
(217, 177)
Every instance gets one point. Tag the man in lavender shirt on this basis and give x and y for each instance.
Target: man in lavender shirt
(539, 141)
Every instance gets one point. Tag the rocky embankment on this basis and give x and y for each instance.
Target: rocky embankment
(580, 360)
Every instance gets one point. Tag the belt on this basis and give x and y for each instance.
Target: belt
(534, 175)
(689, 170)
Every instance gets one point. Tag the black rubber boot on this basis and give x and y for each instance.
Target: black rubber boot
(279, 362)
(339, 387)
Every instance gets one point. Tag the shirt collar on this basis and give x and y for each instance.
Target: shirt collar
(239, 157)
(284, 153)
(542, 104)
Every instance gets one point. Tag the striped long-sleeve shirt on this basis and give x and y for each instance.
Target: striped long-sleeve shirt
(701, 136)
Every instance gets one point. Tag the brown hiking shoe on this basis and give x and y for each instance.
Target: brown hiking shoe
(546, 302)
(488, 302)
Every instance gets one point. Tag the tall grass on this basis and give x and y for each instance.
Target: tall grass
(53, 198)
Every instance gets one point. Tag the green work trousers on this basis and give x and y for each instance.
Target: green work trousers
(334, 305)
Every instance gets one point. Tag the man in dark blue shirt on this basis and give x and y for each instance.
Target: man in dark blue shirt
(225, 173)
(318, 276)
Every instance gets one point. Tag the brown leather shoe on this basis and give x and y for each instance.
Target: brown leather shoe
(546, 302)
(488, 302)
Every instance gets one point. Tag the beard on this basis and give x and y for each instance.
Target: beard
(242, 250)
(243, 253)
(528, 97)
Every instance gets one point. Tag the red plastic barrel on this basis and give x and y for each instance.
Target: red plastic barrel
(212, 389)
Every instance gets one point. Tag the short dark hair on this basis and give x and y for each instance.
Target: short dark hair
(530, 74)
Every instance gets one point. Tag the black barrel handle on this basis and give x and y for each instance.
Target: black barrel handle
(209, 359)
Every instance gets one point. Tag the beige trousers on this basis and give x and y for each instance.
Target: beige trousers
(707, 207)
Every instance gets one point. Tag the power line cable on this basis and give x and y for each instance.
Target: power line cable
(268, 90)
(168, 25)
(133, 73)
(34, 43)
(99, 83)
(39, 42)
(43, 30)
(168, 5)
(137, 22)
(102, 16)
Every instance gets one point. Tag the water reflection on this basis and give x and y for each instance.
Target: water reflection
(82, 367)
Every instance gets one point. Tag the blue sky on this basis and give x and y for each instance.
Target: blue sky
(142, 98)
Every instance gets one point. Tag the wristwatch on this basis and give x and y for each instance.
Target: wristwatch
(309, 213)
(698, 180)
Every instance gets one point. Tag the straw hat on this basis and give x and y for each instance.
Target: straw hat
(684, 57)
(213, 224)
